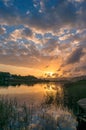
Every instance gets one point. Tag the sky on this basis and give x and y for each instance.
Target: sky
(43, 37)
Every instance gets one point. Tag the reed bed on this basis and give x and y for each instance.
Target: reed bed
(15, 117)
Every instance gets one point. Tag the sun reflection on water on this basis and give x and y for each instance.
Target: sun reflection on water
(54, 94)
(37, 93)
(54, 88)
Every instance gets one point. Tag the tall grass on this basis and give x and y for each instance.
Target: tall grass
(15, 117)
(12, 116)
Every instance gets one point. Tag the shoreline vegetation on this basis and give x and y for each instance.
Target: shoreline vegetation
(7, 78)
(15, 117)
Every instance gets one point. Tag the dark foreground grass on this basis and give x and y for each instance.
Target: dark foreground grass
(15, 117)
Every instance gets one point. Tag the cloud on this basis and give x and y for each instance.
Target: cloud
(49, 47)
(2, 30)
(15, 53)
(8, 2)
(78, 1)
(27, 32)
(80, 68)
(55, 16)
(75, 56)
(24, 33)
(43, 33)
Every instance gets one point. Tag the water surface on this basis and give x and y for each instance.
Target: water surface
(57, 93)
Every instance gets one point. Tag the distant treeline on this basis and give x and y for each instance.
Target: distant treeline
(7, 75)
(7, 78)
(11, 79)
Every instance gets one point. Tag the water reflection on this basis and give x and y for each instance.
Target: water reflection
(22, 89)
(24, 93)
(54, 94)
(49, 93)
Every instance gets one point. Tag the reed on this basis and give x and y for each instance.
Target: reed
(15, 117)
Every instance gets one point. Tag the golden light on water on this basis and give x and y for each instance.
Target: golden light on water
(60, 90)
(55, 89)
(36, 93)
(54, 93)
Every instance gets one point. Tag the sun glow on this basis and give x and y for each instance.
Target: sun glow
(49, 74)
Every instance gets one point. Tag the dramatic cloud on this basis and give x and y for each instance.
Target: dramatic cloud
(46, 34)
(54, 14)
(75, 56)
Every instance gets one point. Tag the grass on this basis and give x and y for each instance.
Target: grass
(15, 117)
(12, 116)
